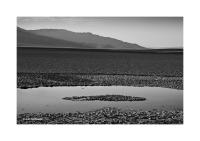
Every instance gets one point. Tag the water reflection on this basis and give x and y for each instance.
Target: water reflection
(47, 99)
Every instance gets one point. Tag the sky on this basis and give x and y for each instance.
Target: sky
(152, 32)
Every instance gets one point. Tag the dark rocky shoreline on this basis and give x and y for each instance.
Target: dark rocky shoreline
(106, 115)
(34, 80)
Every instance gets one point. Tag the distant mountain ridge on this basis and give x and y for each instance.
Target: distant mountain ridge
(63, 38)
(87, 38)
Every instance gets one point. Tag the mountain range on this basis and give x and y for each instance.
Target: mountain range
(60, 38)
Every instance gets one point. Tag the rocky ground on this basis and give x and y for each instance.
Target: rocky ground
(107, 115)
(33, 80)
(105, 98)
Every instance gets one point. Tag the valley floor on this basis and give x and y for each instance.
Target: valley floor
(64, 67)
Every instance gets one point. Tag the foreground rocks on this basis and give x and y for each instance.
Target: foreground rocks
(106, 115)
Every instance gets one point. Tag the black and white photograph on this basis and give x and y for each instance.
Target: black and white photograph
(99, 70)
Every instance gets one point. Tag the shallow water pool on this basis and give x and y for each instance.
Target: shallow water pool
(49, 99)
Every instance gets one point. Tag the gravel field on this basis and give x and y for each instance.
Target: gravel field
(33, 80)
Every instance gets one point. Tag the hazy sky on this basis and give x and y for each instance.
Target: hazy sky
(153, 32)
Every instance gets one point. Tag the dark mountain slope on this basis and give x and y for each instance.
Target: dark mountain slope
(28, 39)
